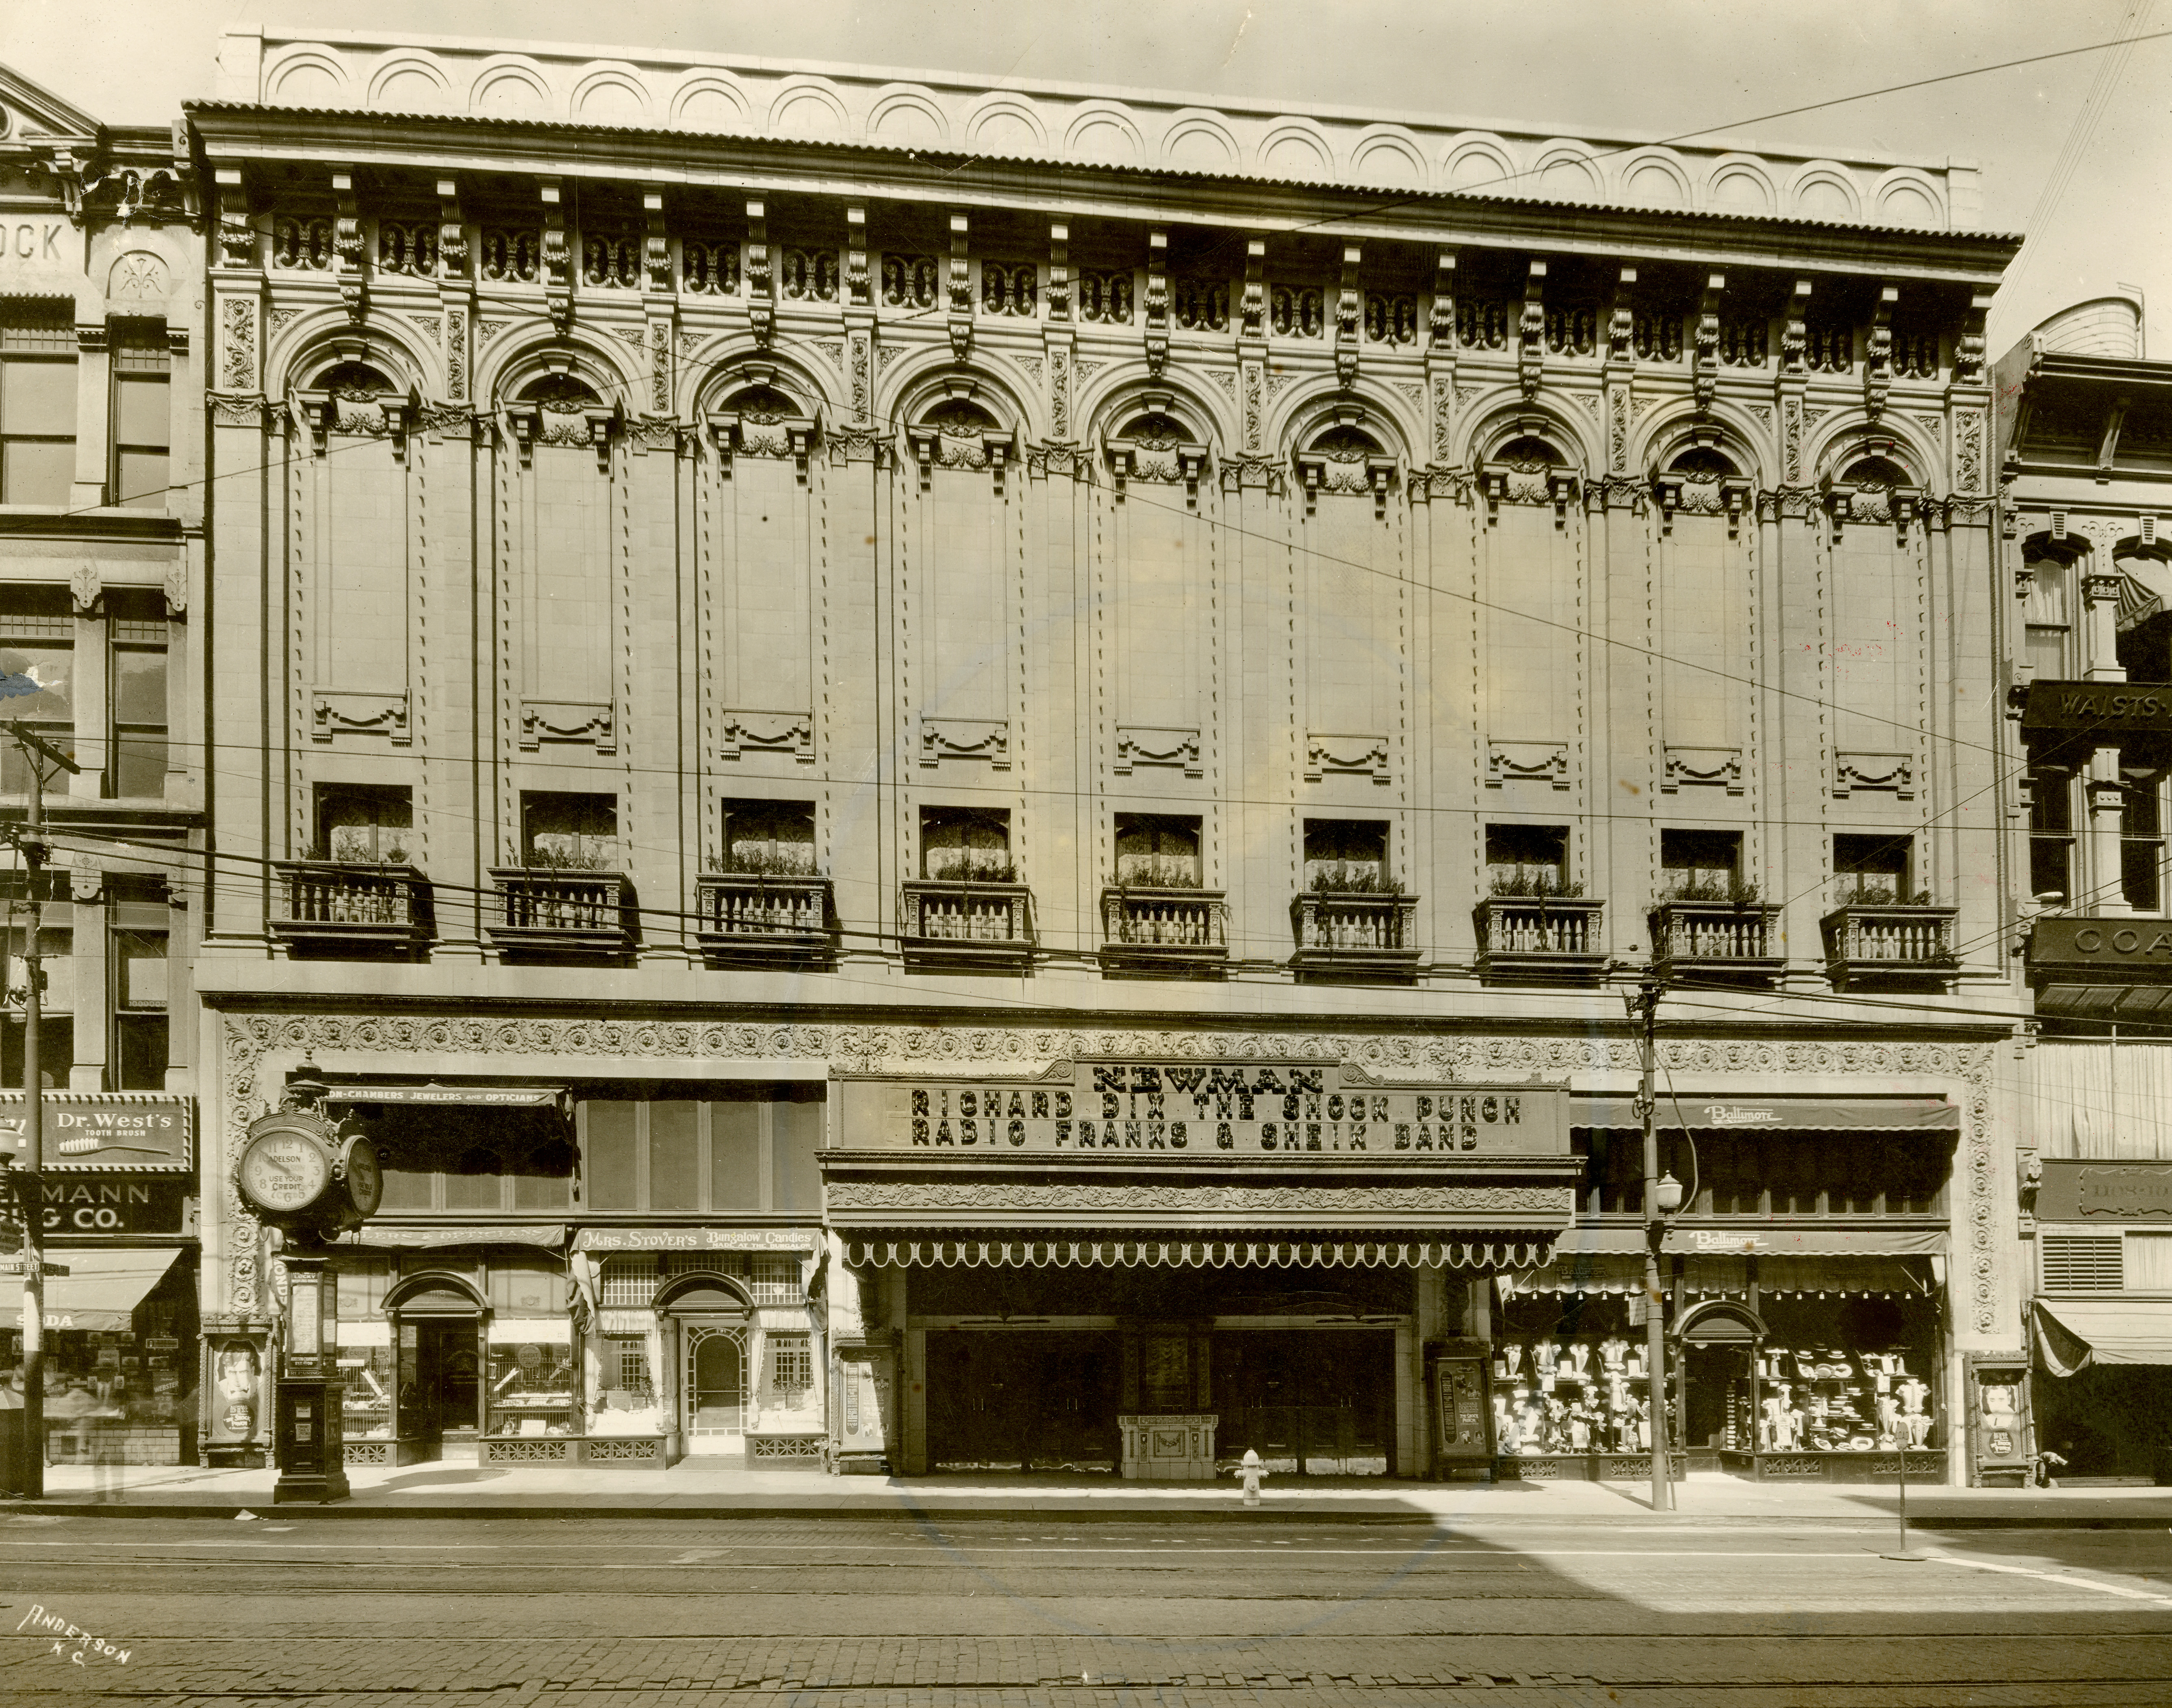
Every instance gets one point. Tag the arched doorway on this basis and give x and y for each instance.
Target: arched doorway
(438, 1328)
(712, 1320)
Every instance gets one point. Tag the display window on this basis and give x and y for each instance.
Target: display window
(627, 1399)
(368, 1368)
(120, 1383)
(530, 1379)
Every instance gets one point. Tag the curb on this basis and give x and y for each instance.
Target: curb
(917, 1513)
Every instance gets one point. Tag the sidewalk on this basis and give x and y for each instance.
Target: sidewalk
(693, 1489)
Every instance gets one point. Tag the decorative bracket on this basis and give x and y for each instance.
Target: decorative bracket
(790, 733)
(557, 260)
(347, 712)
(1349, 311)
(1718, 767)
(1347, 755)
(1969, 349)
(452, 231)
(1893, 772)
(1878, 357)
(237, 238)
(346, 246)
(961, 288)
(85, 586)
(1142, 744)
(1253, 310)
(655, 245)
(1059, 272)
(1707, 366)
(736, 433)
(1531, 331)
(1795, 338)
(1526, 762)
(1730, 495)
(1441, 328)
(966, 738)
(589, 724)
(859, 286)
(1621, 318)
(761, 278)
(1157, 314)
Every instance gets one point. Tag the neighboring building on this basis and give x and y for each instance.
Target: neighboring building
(101, 564)
(950, 763)
(2085, 439)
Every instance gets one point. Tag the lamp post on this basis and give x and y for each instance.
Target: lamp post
(30, 1185)
(1645, 1003)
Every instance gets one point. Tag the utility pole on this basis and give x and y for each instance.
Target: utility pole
(1645, 1005)
(30, 1183)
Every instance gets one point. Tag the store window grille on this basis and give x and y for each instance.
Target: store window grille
(791, 1364)
(2083, 1262)
(629, 1281)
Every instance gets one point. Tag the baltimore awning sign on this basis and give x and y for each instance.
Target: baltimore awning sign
(100, 1291)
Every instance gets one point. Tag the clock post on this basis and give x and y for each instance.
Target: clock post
(304, 1177)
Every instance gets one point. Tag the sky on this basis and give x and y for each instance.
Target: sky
(1586, 67)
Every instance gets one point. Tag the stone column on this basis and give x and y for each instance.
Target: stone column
(2100, 629)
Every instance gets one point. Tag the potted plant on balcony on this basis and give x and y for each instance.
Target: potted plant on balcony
(1342, 877)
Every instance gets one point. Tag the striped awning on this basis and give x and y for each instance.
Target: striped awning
(1196, 1253)
(1729, 1277)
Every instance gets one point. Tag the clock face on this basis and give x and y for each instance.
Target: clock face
(365, 1185)
(285, 1171)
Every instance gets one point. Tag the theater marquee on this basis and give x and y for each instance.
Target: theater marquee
(1191, 1109)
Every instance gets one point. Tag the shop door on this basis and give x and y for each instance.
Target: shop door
(440, 1362)
(1320, 1403)
(713, 1387)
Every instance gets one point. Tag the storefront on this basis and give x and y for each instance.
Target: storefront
(1146, 1268)
(2103, 1319)
(119, 1217)
(1823, 1219)
(564, 1273)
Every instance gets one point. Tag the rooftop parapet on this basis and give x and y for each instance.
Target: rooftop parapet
(1077, 124)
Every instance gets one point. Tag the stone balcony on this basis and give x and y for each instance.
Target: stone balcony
(966, 925)
(1153, 932)
(334, 906)
(1540, 940)
(1877, 943)
(1730, 940)
(548, 912)
(1355, 935)
(757, 919)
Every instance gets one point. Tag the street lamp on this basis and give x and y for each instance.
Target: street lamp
(1670, 1194)
(1661, 1197)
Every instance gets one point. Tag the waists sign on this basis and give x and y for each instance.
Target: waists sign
(1190, 1108)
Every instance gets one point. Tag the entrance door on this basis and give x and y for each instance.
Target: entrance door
(440, 1360)
(1320, 1402)
(1021, 1400)
(712, 1390)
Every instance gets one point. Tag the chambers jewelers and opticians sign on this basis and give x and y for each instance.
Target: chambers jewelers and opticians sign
(1191, 1108)
(103, 1129)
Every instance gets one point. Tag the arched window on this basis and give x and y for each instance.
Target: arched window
(1704, 611)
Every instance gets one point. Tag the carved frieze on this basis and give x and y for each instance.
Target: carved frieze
(741, 732)
(1894, 773)
(1526, 762)
(1143, 744)
(580, 723)
(1328, 755)
(1708, 767)
(335, 711)
(966, 738)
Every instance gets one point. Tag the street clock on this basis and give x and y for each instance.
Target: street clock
(297, 1171)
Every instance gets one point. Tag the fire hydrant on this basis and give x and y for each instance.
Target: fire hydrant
(1249, 1469)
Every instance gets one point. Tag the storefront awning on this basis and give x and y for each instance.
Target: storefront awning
(551, 1236)
(1791, 1114)
(462, 1096)
(1766, 1240)
(1196, 1253)
(1727, 1277)
(2074, 1333)
(100, 1292)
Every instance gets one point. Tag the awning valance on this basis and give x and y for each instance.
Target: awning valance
(1792, 1239)
(2074, 1333)
(1196, 1253)
(1791, 1115)
(100, 1292)
(1727, 1277)
(462, 1096)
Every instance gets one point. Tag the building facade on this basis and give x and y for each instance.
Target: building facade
(101, 573)
(997, 816)
(2085, 439)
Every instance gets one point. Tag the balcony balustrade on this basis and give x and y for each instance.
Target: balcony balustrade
(1869, 942)
(1540, 940)
(550, 912)
(1155, 933)
(763, 919)
(1355, 935)
(1730, 939)
(331, 904)
(966, 925)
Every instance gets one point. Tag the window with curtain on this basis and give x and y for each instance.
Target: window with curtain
(138, 926)
(1157, 850)
(2051, 833)
(37, 652)
(37, 403)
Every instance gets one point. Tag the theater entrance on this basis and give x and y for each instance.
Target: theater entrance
(1317, 1402)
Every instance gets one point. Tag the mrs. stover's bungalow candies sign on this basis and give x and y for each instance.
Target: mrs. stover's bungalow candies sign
(1254, 1107)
